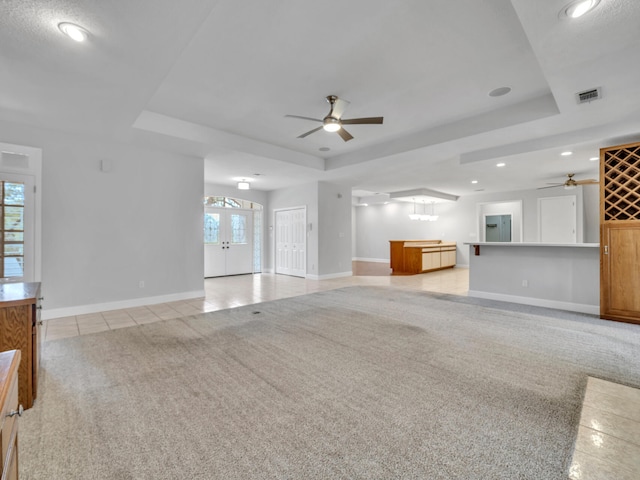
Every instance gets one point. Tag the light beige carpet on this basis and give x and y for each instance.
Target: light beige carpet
(362, 383)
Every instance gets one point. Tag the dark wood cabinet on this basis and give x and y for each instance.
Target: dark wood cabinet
(20, 330)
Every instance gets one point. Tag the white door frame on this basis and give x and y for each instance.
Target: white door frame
(516, 214)
(275, 236)
(574, 214)
(224, 251)
(484, 224)
(30, 166)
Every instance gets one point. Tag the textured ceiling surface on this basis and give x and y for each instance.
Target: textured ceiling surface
(216, 78)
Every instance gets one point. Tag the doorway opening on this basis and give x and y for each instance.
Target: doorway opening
(232, 237)
(504, 220)
(497, 228)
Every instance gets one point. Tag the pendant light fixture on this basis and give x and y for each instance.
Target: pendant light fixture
(244, 185)
(414, 215)
(433, 217)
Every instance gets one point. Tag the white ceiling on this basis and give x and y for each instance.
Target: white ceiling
(215, 78)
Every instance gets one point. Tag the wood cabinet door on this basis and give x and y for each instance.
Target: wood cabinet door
(16, 334)
(448, 258)
(620, 271)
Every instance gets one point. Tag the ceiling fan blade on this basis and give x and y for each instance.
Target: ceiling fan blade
(346, 136)
(589, 181)
(362, 121)
(304, 118)
(310, 132)
(551, 186)
(339, 106)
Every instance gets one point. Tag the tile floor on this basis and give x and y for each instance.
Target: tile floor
(229, 292)
(608, 442)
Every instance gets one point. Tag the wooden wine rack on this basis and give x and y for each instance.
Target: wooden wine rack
(620, 233)
(620, 175)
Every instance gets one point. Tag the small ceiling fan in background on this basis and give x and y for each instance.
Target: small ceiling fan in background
(334, 122)
(571, 183)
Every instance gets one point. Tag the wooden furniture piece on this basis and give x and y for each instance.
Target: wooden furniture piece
(10, 411)
(420, 256)
(620, 233)
(20, 330)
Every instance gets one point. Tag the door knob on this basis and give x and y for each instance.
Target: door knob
(18, 412)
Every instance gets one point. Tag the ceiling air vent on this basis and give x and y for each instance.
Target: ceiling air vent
(589, 95)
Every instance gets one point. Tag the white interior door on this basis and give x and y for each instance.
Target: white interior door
(291, 242)
(228, 242)
(557, 219)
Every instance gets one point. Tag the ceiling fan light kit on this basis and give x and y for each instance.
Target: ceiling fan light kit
(73, 31)
(578, 8)
(334, 122)
(330, 124)
(570, 183)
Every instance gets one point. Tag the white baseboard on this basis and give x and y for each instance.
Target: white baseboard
(329, 276)
(538, 302)
(373, 260)
(103, 307)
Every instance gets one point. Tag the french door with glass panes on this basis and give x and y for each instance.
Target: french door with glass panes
(228, 242)
(16, 228)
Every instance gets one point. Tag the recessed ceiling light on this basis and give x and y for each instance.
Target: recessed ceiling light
(594, 159)
(500, 164)
(324, 149)
(498, 92)
(566, 154)
(474, 181)
(74, 32)
(578, 8)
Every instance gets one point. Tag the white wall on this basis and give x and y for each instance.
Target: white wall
(103, 233)
(334, 229)
(458, 221)
(565, 277)
(591, 202)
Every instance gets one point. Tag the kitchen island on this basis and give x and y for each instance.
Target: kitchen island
(409, 257)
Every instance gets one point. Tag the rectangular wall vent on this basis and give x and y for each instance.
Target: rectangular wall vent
(589, 95)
